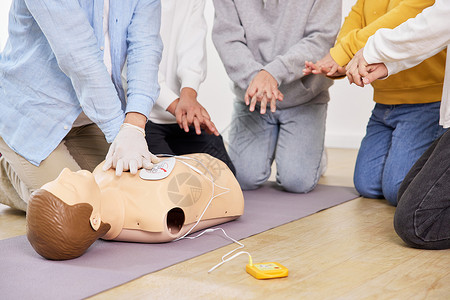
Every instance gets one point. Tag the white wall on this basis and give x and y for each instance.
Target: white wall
(348, 110)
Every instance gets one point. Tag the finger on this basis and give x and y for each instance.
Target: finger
(252, 104)
(246, 98)
(133, 166)
(200, 114)
(268, 93)
(154, 159)
(263, 107)
(357, 77)
(211, 128)
(148, 160)
(250, 93)
(277, 94)
(259, 95)
(376, 74)
(205, 115)
(179, 116)
(198, 130)
(147, 164)
(273, 104)
(349, 76)
(185, 123)
(108, 159)
(190, 116)
(332, 70)
(119, 167)
(324, 69)
(362, 70)
(108, 164)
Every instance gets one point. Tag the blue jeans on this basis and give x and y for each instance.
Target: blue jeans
(396, 136)
(294, 137)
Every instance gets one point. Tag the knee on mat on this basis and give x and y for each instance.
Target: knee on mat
(249, 181)
(296, 185)
(366, 190)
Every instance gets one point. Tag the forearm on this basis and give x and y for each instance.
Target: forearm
(357, 37)
(191, 48)
(144, 56)
(416, 38)
(400, 65)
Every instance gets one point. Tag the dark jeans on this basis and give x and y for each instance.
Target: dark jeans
(422, 218)
(171, 139)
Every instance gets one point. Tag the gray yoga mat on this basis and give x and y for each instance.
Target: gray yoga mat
(26, 275)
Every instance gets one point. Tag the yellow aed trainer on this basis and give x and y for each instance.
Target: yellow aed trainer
(267, 270)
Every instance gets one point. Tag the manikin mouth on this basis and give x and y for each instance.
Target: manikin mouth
(175, 220)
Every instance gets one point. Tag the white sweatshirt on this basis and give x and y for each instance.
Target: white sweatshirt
(410, 43)
(183, 64)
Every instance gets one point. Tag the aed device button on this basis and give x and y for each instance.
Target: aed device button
(267, 270)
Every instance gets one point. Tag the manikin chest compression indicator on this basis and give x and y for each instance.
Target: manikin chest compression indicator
(267, 270)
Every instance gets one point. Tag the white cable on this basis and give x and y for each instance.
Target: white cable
(228, 259)
(224, 259)
(227, 190)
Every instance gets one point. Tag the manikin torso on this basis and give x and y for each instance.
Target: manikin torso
(161, 210)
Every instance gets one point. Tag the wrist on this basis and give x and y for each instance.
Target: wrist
(171, 108)
(188, 92)
(128, 125)
(135, 119)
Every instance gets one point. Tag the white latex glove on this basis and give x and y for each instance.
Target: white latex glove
(129, 151)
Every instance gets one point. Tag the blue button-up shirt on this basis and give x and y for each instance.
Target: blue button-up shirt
(52, 68)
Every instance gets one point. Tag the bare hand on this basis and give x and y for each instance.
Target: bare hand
(326, 66)
(357, 69)
(376, 71)
(189, 112)
(263, 89)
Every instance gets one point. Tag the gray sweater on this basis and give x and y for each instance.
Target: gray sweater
(277, 36)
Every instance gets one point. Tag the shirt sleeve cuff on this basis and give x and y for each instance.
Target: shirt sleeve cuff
(339, 55)
(277, 69)
(191, 81)
(140, 104)
(112, 127)
(166, 97)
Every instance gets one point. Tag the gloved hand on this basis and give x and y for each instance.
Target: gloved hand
(129, 151)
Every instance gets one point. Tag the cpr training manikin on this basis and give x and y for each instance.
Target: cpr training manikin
(179, 195)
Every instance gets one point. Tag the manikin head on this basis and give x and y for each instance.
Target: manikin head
(63, 229)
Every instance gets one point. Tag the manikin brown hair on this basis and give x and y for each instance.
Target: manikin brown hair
(60, 231)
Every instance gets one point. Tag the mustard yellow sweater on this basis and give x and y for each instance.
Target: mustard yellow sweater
(421, 84)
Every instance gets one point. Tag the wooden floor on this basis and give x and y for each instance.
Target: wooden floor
(346, 252)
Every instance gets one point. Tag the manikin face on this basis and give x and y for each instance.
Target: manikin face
(74, 187)
(77, 187)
